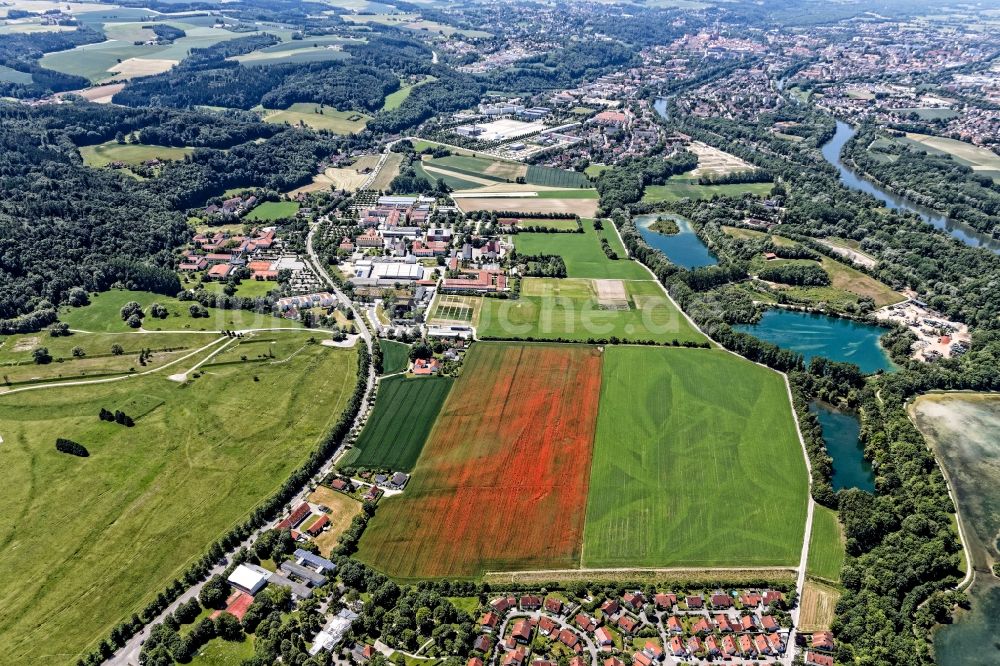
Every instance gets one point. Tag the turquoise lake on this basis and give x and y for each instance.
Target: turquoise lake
(684, 248)
(813, 334)
(841, 433)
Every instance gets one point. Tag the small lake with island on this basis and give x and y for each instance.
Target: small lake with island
(842, 435)
(683, 248)
(831, 153)
(813, 334)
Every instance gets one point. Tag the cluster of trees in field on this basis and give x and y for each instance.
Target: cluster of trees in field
(117, 416)
(542, 265)
(623, 186)
(933, 180)
(807, 275)
(262, 514)
(736, 177)
(22, 51)
(71, 447)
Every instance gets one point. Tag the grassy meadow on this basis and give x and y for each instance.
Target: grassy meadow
(395, 356)
(394, 435)
(686, 187)
(94, 539)
(102, 154)
(583, 254)
(696, 464)
(103, 315)
(318, 117)
(270, 211)
(826, 545)
(568, 308)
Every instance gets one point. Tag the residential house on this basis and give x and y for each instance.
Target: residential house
(774, 597)
(546, 625)
(729, 647)
(569, 639)
(586, 622)
(610, 607)
(746, 646)
(654, 650)
(634, 600)
(694, 644)
(489, 621)
(769, 624)
(317, 527)
(761, 644)
(627, 623)
(531, 602)
(603, 637)
(503, 604)
(297, 516)
(817, 659)
(777, 645)
(522, 631)
(747, 623)
(515, 658)
(641, 659)
(702, 626)
(695, 602)
(823, 640)
(712, 646)
(552, 605)
(720, 600)
(483, 643)
(725, 626)
(750, 599)
(674, 625)
(665, 601)
(677, 647)
(474, 661)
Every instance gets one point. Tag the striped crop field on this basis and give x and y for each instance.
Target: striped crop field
(696, 464)
(502, 482)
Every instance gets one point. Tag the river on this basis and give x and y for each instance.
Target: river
(831, 153)
(964, 431)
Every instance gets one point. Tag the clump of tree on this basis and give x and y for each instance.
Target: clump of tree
(118, 416)
(796, 274)
(41, 356)
(71, 447)
(132, 314)
(543, 265)
(609, 251)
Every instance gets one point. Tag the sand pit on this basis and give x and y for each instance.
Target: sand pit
(136, 67)
(611, 294)
(581, 207)
(714, 162)
(99, 94)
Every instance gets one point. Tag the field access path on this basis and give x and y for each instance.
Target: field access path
(129, 654)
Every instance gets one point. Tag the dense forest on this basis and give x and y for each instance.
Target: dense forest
(563, 67)
(98, 227)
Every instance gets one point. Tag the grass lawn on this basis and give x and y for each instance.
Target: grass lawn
(125, 521)
(696, 463)
(826, 545)
(342, 511)
(246, 288)
(569, 194)
(568, 308)
(319, 117)
(541, 175)
(394, 435)
(395, 356)
(681, 187)
(102, 154)
(218, 652)
(396, 99)
(274, 210)
(102, 315)
(583, 254)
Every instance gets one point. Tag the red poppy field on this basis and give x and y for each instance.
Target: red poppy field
(502, 482)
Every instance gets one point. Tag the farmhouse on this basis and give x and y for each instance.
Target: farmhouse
(481, 281)
(249, 578)
(296, 517)
(317, 527)
(424, 367)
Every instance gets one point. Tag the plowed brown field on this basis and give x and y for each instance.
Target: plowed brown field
(502, 483)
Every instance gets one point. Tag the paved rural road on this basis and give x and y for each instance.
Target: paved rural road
(129, 654)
